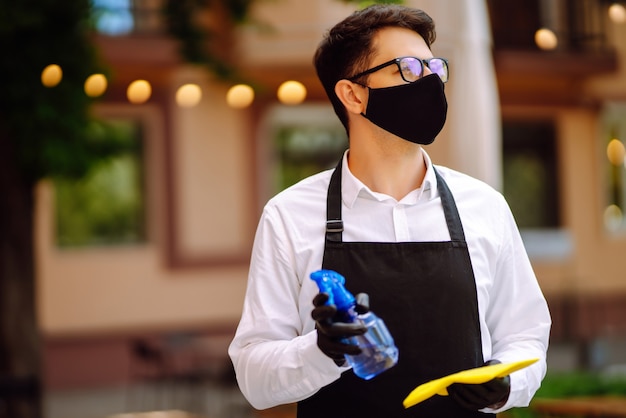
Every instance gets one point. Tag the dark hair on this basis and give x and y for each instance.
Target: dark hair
(346, 48)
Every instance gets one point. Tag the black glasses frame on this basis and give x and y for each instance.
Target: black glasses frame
(423, 62)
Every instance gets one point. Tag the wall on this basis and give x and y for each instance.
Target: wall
(97, 290)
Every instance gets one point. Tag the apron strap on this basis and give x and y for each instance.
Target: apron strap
(334, 224)
(449, 209)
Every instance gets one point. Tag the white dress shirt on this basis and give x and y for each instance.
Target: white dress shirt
(275, 351)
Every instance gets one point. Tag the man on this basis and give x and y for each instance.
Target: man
(437, 252)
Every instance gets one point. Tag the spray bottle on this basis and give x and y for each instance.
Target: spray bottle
(378, 351)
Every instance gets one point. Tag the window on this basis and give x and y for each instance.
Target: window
(113, 17)
(514, 23)
(530, 185)
(306, 140)
(306, 150)
(123, 17)
(530, 173)
(578, 24)
(614, 166)
(106, 207)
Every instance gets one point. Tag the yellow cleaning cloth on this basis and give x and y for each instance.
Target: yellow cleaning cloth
(477, 375)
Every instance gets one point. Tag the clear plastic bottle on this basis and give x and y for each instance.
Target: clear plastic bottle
(378, 350)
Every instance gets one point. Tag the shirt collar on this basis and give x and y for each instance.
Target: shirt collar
(352, 187)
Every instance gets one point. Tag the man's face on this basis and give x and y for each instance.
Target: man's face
(390, 43)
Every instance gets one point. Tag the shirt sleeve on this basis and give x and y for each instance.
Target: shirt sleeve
(274, 351)
(517, 317)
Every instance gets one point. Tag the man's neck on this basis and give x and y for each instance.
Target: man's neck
(394, 169)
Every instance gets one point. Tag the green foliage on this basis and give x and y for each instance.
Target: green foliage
(50, 127)
(106, 206)
(575, 384)
(581, 384)
(196, 41)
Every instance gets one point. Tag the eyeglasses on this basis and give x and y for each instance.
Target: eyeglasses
(412, 68)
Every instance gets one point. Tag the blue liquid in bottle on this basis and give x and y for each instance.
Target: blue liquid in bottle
(378, 350)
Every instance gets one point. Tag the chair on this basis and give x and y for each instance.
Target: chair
(151, 376)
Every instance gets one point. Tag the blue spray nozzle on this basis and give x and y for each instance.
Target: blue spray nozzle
(332, 283)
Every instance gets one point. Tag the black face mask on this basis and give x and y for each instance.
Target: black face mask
(415, 111)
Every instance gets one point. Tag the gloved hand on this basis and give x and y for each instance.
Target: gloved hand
(330, 333)
(492, 394)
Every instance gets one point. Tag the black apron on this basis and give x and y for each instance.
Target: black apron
(426, 294)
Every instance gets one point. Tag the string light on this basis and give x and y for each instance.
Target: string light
(613, 217)
(139, 91)
(51, 75)
(240, 96)
(291, 92)
(95, 85)
(617, 13)
(188, 95)
(546, 39)
(615, 152)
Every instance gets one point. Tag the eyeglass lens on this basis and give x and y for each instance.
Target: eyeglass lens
(412, 68)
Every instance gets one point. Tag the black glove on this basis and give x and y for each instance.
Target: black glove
(330, 332)
(492, 394)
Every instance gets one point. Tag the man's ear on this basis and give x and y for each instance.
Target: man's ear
(352, 95)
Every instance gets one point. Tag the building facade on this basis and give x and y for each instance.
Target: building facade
(533, 123)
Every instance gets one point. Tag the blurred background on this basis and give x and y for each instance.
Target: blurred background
(140, 139)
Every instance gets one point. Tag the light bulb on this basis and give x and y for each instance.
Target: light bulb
(188, 95)
(51, 75)
(240, 96)
(615, 152)
(617, 13)
(95, 85)
(291, 92)
(139, 91)
(546, 39)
